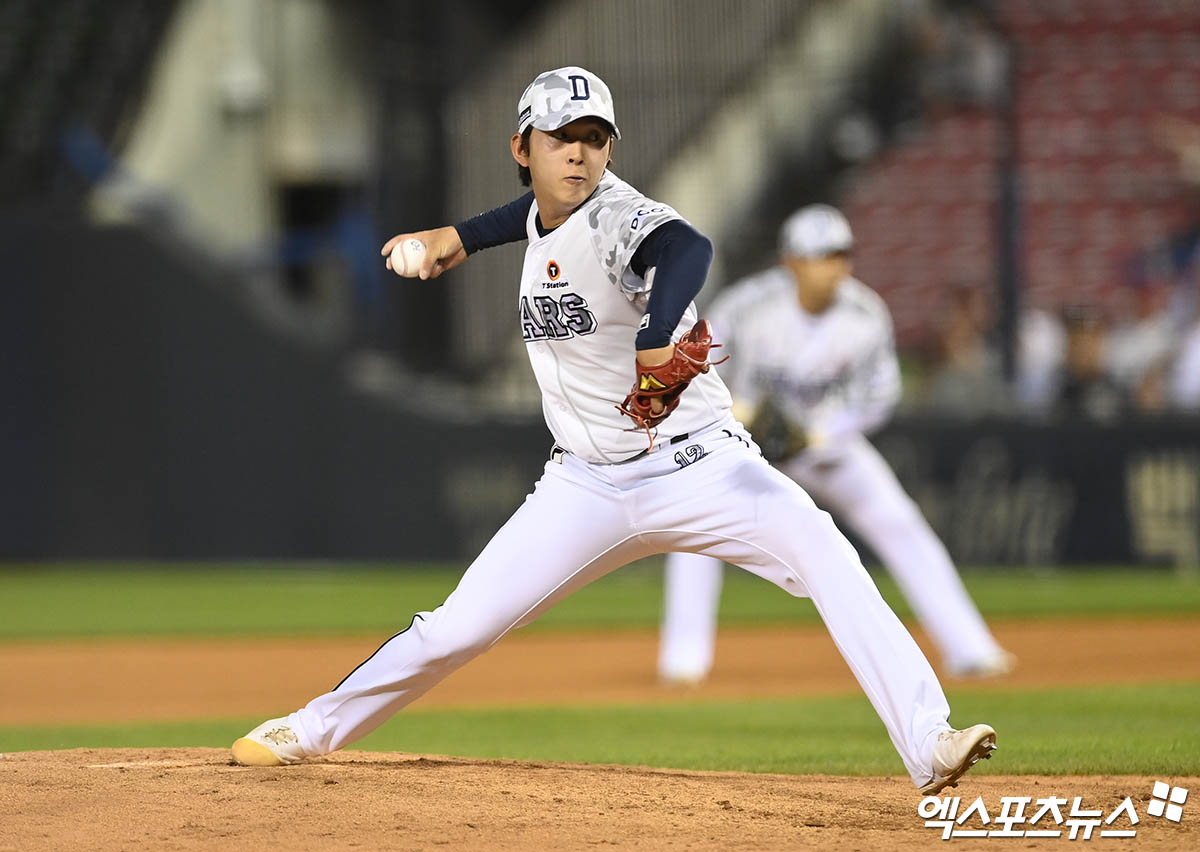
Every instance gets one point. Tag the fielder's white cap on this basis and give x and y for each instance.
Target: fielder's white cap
(815, 231)
(558, 97)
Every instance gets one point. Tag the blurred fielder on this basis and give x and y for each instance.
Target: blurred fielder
(813, 369)
(647, 457)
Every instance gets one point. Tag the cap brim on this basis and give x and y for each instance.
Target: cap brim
(554, 121)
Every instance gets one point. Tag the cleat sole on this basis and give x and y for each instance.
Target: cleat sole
(247, 752)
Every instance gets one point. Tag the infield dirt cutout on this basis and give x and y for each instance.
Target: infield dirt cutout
(193, 799)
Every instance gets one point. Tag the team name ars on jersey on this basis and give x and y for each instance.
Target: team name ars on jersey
(555, 317)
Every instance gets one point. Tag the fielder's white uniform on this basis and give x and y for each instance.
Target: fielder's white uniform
(835, 374)
(604, 501)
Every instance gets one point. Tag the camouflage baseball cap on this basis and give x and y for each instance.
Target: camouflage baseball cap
(815, 231)
(558, 97)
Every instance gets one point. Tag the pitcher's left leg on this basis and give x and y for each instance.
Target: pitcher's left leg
(741, 510)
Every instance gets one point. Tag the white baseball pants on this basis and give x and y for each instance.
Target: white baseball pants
(711, 494)
(856, 484)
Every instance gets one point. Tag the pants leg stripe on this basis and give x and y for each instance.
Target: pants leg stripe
(377, 650)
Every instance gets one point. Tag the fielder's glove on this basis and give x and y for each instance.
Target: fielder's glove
(777, 437)
(667, 382)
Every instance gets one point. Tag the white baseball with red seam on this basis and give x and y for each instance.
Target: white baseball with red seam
(407, 256)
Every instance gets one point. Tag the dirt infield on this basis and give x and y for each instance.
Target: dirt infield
(122, 681)
(192, 799)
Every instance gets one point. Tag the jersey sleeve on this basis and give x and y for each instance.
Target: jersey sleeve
(496, 227)
(679, 256)
(618, 223)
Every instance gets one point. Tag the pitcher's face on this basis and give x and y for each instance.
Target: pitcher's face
(565, 165)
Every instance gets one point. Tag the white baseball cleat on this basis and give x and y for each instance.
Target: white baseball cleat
(994, 665)
(273, 743)
(957, 751)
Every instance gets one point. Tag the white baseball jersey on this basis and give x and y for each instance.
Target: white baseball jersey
(581, 306)
(835, 373)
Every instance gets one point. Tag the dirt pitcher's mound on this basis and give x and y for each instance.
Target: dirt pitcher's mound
(192, 799)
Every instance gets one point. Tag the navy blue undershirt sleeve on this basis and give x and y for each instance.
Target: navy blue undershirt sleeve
(505, 224)
(680, 256)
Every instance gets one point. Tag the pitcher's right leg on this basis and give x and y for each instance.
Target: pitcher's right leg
(563, 537)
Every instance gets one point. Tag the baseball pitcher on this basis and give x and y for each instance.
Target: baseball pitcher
(647, 457)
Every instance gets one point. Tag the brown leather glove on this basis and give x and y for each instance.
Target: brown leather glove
(667, 382)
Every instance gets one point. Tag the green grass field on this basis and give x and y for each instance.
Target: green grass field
(1139, 730)
(66, 601)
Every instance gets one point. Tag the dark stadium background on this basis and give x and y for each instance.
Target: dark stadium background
(202, 356)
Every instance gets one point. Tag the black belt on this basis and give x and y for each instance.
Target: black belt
(557, 452)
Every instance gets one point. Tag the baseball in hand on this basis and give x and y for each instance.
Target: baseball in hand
(407, 256)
